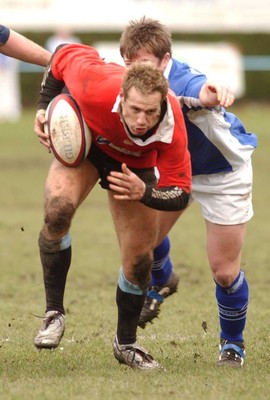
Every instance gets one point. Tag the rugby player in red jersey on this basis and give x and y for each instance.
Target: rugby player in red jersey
(136, 125)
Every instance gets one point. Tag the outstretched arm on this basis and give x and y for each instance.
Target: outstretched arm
(21, 48)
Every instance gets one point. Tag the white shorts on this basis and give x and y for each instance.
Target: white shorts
(225, 198)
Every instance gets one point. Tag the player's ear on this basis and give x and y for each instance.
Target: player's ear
(121, 95)
(165, 60)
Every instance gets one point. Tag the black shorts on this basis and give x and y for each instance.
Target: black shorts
(105, 164)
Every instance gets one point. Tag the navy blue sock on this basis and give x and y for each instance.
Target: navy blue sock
(162, 267)
(232, 305)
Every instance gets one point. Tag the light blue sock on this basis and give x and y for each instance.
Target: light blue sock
(127, 286)
(232, 305)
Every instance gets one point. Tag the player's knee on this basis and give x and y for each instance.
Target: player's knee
(142, 270)
(225, 278)
(58, 215)
(53, 246)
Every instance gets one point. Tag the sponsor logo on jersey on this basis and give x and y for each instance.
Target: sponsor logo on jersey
(128, 142)
(103, 141)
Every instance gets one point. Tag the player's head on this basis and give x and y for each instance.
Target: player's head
(142, 94)
(146, 40)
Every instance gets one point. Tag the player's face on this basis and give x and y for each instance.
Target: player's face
(141, 112)
(143, 55)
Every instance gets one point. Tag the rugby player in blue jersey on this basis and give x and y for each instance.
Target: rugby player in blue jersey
(221, 152)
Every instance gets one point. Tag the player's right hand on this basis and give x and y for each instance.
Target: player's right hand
(40, 121)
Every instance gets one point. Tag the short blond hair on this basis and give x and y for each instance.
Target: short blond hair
(146, 78)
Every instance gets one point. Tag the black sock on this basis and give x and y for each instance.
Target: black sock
(55, 270)
(129, 310)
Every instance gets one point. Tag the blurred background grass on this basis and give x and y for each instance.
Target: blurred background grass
(84, 367)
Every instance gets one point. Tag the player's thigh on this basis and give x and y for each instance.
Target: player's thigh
(136, 226)
(167, 219)
(70, 183)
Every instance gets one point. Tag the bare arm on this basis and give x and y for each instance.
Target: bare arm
(128, 186)
(21, 48)
(213, 94)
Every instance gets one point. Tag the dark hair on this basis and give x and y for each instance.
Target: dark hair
(147, 34)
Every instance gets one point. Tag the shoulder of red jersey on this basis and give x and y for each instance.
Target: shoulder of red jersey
(67, 54)
(78, 47)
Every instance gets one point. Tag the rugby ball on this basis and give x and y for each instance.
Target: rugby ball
(70, 137)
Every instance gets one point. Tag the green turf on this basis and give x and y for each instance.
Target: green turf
(84, 367)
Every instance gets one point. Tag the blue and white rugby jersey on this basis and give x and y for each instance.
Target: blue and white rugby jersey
(217, 139)
(4, 34)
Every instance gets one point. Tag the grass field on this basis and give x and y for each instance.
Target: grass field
(84, 367)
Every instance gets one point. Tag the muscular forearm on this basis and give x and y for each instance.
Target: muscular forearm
(128, 186)
(50, 87)
(165, 199)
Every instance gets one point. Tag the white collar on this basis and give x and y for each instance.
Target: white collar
(164, 132)
(168, 69)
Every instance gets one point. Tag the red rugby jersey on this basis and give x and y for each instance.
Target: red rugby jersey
(95, 85)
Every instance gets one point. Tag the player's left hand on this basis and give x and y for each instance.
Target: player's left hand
(126, 184)
(213, 94)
